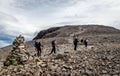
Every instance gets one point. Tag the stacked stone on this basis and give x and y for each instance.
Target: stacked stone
(18, 55)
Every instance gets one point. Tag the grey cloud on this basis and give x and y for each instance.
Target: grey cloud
(31, 4)
(7, 17)
(116, 24)
(76, 16)
(62, 23)
(3, 43)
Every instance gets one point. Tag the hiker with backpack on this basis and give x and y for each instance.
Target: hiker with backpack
(38, 48)
(75, 42)
(53, 43)
(86, 42)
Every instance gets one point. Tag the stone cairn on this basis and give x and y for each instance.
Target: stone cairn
(18, 54)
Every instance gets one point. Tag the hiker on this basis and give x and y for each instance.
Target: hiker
(75, 42)
(86, 42)
(37, 46)
(81, 40)
(38, 49)
(53, 47)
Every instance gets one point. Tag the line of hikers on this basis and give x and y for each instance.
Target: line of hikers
(38, 45)
(75, 42)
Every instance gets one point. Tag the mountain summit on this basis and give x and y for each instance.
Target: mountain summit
(67, 31)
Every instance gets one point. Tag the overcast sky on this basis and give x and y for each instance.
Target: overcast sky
(27, 17)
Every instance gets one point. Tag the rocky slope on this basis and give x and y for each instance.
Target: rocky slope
(100, 58)
(90, 61)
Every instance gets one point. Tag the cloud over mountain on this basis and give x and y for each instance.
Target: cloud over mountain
(29, 16)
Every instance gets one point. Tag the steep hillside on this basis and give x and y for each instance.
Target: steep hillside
(64, 31)
(67, 31)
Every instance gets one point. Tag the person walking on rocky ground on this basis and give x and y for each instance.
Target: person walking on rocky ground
(39, 49)
(86, 42)
(75, 42)
(53, 43)
(38, 46)
(35, 44)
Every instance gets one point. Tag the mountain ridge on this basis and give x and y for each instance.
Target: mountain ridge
(65, 31)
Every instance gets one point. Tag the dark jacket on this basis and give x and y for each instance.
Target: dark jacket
(75, 41)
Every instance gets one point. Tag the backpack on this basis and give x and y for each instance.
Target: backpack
(75, 41)
(53, 43)
(35, 43)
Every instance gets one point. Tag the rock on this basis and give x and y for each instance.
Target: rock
(67, 67)
(115, 75)
(66, 57)
(53, 67)
(37, 73)
(105, 75)
(84, 63)
(30, 58)
(59, 56)
(40, 62)
(65, 74)
(89, 71)
(46, 58)
(43, 65)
